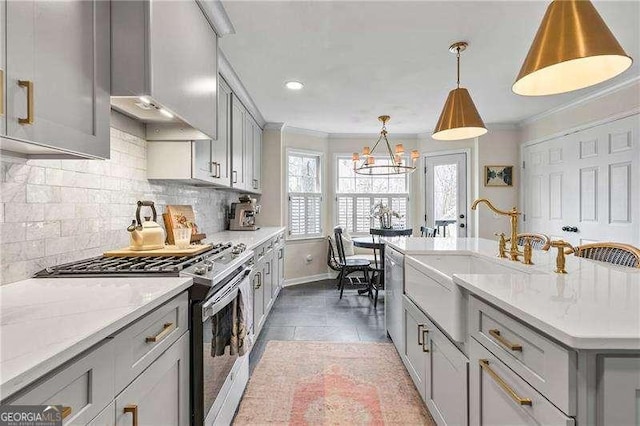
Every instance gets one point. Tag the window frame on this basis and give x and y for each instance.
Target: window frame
(320, 164)
(355, 195)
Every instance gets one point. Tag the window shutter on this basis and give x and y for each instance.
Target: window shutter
(345, 212)
(313, 221)
(296, 215)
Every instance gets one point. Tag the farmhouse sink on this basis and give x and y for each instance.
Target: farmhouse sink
(429, 283)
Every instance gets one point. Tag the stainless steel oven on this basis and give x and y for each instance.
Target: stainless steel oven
(213, 359)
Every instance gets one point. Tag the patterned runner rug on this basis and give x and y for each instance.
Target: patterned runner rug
(327, 383)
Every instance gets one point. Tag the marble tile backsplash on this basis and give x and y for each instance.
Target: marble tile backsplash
(57, 211)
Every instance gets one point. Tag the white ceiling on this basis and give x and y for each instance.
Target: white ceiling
(361, 59)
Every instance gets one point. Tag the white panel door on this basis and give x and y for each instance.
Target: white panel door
(583, 187)
(446, 194)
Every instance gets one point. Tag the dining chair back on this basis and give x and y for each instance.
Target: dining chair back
(425, 231)
(615, 253)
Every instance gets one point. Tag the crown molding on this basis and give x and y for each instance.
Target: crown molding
(307, 132)
(585, 99)
(274, 126)
(393, 136)
(228, 73)
(217, 17)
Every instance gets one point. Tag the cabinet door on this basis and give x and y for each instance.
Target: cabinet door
(221, 147)
(238, 114)
(414, 354)
(281, 267)
(618, 390)
(446, 390)
(160, 395)
(258, 300)
(248, 152)
(60, 51)
(257, 157)
(184, 44)
(203, 167)
(107, 417)
(498, 396)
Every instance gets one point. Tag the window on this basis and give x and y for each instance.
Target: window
(305, 198)
(357, 194)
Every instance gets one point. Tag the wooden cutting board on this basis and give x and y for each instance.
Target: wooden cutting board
(167, 251)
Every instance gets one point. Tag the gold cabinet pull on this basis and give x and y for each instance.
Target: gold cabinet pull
(484, 364)
(420, 334)
(424, 339)
(495, 333)
(66, 411)
(29, 85)
(133, 409)
(166, 329)
(1, 92)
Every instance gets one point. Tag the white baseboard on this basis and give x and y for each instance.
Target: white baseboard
(309, 279)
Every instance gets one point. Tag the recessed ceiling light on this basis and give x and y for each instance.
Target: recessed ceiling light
(166, 113)
(294, 85)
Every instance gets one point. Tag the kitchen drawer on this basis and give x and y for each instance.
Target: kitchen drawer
(498, 396)
(138, 345)
(544, 364)
(85, 386)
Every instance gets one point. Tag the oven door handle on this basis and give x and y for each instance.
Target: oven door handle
(214, 305)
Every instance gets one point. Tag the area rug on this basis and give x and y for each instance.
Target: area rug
(326, 383)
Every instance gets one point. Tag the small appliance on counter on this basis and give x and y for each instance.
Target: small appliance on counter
(147, 235)
(242, 216)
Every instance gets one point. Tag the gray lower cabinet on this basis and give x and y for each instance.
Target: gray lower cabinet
(414, 350)
(258, 299)
(56, 77)
(498, 396)
(437, 367)
(160, 395)
(107, 417)
(618, 389)
(281, 266)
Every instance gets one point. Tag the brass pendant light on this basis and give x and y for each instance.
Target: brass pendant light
(573, 49)
(459, 118)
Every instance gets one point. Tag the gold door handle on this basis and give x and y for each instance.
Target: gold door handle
(166, 329)
(424, 339)
(484, 364)
(29, 85)
(1, 92)
(66, 411)
(133, 409)
(495, 333)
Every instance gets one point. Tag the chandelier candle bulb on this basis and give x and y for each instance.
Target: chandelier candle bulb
(371, 160)
(366, 151)
(415, 154)
(398, 159)
(355, 156)
(399, 149)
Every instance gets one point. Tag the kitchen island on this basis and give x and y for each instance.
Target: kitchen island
(519, 342)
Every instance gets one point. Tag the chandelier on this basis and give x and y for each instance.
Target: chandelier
(395, 162)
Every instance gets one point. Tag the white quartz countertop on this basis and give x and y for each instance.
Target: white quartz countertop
(593, 306)
(46, 322)
(251, 239)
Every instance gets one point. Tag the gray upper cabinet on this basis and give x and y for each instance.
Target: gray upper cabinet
(165, 63)
(56, 77)
(238, 153)
(221, 148)
(256, 181)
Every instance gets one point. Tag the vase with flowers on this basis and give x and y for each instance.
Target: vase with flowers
(384, 214)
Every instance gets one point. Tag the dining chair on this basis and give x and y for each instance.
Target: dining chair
(428, 232)
(615, 253)
(347, 266)
(538, 241)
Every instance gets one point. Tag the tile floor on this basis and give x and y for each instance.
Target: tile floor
(314, 311)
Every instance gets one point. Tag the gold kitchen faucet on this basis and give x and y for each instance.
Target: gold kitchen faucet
(513, 214)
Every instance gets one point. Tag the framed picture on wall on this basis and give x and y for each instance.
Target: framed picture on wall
(498, 175)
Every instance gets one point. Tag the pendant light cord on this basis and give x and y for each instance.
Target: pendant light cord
(458, 61)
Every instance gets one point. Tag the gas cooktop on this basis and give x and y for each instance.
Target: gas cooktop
(134, 266)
